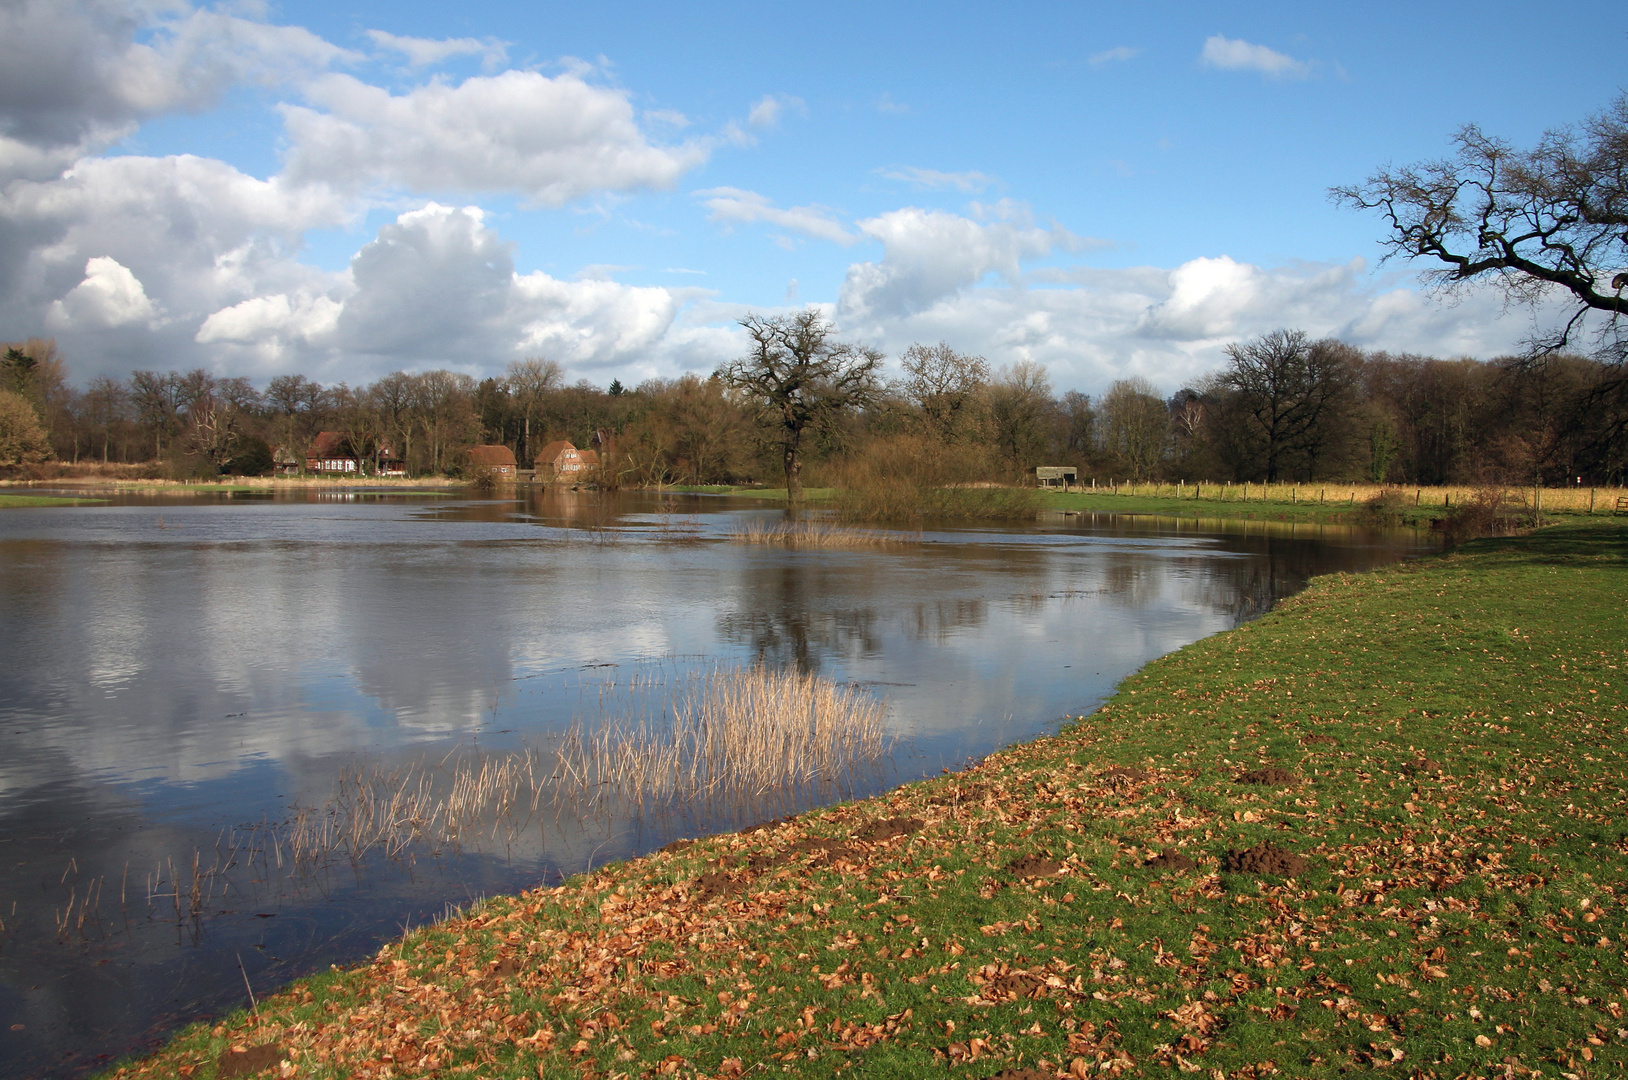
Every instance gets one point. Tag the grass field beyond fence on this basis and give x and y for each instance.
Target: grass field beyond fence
(1384, 827)
(1571, 499)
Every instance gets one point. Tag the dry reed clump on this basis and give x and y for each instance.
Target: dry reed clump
(729, 738)
(738, 732)
(908, 478)
(826, 535)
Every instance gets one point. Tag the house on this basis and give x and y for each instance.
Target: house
(330, 452)
(1056, 475)
(496, 459)
(560, 460)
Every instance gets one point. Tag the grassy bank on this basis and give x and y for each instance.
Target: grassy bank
(1390, 824)
(7, 499)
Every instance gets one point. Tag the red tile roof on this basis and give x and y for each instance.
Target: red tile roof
(491, 456)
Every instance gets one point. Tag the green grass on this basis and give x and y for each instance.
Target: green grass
(1472, 922)
(43, 500)
(1332, 512)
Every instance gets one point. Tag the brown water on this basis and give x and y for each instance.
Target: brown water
(177, 673)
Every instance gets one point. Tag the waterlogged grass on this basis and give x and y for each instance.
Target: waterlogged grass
(810, 494)
(43, 500)
(1441, 742)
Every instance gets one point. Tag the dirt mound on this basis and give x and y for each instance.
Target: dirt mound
(247, 1062)
(676, 845)
(1422, 767)
(1271, 776)
(1021, 1074)
(887, 829)
(716, 883)
(1171, 859)
(762, 861)
(1033, 866)
(1123, 772)
(1264, 858)
(828, 850)
(773, 823)
(1318, 740)
(504, 968)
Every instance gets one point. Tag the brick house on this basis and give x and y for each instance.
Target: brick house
(497, 459)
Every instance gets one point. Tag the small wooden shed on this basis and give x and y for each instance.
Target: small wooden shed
(1056, 475)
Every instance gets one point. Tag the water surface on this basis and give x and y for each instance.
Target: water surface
(179, 669)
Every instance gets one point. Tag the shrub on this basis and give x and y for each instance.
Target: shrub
(906, 478)
(1383, 510)
(22, 438)
(1491, 512)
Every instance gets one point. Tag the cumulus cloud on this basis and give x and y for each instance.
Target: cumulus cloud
(1118, 54)
(110, 296)
(437, 287)
(427, 52)
(78, 74)
(930, 254)
(1091, 325)
(550, 139)
(972, 182)
(1232, 54)
(735, 206)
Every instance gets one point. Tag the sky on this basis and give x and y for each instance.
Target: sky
(349, 188)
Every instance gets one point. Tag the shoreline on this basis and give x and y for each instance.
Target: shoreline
(1458, 864)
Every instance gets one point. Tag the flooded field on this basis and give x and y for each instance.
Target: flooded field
(244, 737)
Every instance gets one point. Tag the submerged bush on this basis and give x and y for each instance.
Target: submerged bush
(1384, 510)
(1491, 512)
(907, 478)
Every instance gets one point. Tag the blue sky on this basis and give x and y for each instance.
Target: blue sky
(345, 189)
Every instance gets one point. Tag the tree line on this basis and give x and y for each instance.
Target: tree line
(1282, 408)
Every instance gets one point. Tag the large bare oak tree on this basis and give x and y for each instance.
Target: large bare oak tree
(1540, 222)
(800, 377)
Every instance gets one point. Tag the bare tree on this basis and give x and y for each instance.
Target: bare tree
(800, 378)
(106, 403)
(1546, 221)
(1019, 401)
(1136, 425)
(1287, 386)
(945, 386)
(441, 401)
(530, 380)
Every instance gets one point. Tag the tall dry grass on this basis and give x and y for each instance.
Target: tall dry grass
(1571, 499)
(825, 535)
(907, 478)
(738, 732)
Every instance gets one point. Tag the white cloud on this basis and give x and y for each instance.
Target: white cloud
(1118, 54)
(550, 139)
(930, 254)
(77, 74)
(427, 52)
(971, 182)
(766, 112)
(1231, 54)
(1090, 326)
(110, 296)
(273, 323)
(734, 206)
(886, 104)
